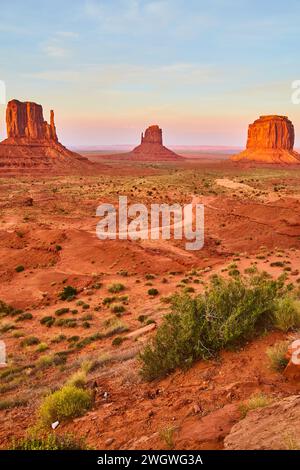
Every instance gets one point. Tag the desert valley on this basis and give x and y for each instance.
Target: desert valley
(78, 314)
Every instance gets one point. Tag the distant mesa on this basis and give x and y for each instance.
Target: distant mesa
(152, 148)
(32, 142)
(270, 140)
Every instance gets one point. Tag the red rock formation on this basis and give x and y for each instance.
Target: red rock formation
(32, 142)
(270, 140)
(153, 135)
(26, 121)
(152, 148)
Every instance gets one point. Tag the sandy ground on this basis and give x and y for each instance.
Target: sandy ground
(251, 217)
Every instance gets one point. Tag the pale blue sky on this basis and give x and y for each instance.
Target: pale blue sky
(202, 70)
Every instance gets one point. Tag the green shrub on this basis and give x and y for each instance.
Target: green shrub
(118, 308)
(167, 435)
(42, 347)
(153, 292)
(6, 310)
(47, 321)
(7, 327)
(229, 312)
(20, 269)
(277, 355)
(73, 339)
(44, 362)
(287, 314)
(66, 403)
(116, 288)
(24, 316)
(58, 339)
(234, 272)
(78, 379)
(189, 290)
(62, 311)
(14, 403)
(142, 318)
(256, 401)
(68, 293)
(117, 341)
(30, 341)
(67, 322)
(109, 300)
(48, 442)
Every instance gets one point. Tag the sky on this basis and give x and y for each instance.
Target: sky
(202, 70)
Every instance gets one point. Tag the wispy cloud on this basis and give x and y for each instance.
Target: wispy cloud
(133, 77)
(59, 45)
(53, 50)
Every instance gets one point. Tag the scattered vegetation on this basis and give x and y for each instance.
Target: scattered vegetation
(24, 316)
(118, 309)
(49, 441)
(153, 292)
(30, 341)
(277, 355)
(47, 321)
(20, 269)
(116, 288)
(68, 293)
(117, 341)
(256, 401)
(67, 403)
(167, 435)
(287, 314)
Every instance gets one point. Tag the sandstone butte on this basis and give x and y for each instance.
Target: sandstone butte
(270, 140)
(152, 148)
(32, 142)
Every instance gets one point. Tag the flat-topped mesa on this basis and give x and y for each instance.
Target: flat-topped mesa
(152, 148)
(26, 121)
(270, 140)
(271, 132)
(153, 135)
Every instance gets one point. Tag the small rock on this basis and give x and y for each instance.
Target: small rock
(109, 441)
(55, 425)
(196, 409)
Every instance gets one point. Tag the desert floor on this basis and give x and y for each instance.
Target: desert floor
(47, 226)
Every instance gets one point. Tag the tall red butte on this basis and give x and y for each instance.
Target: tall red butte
(270, 140)
(152, 148)
(32, 143)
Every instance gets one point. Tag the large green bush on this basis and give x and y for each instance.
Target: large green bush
(66, 403)
(229, 312)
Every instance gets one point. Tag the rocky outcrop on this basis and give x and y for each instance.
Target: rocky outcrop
(152, 148)
(32, 142)
(270, 140)
(275, 427)
(153, 135)
(26, 121)
(209, 430)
